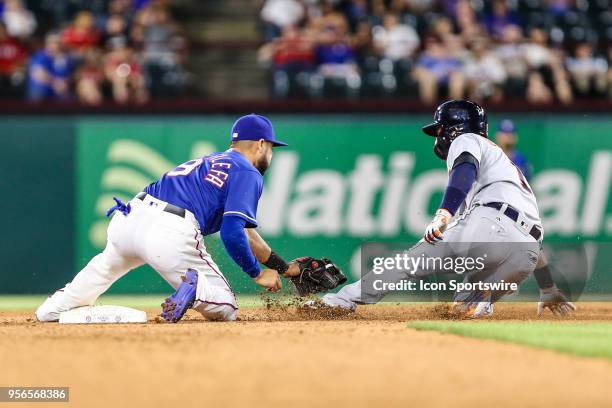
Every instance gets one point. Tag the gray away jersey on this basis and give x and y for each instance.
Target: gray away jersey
(498, 179)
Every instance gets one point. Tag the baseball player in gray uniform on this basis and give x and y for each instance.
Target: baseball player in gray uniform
(488, 210)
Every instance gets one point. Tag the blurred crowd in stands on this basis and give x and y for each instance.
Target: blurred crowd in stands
(543, 51)
(90, 50)
(539, 50)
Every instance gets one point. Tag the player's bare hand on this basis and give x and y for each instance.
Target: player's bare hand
(269, 279)
(294, 270)
(435, 230)
(555, 300)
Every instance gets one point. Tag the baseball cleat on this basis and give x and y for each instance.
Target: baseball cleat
(484, 309)
(175, 306)
(472, 310)
(473, 306)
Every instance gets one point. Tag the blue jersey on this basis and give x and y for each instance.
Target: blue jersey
(58, 67)
(221, 183)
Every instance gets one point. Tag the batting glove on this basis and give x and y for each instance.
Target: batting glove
(437, 226)
(552, 298)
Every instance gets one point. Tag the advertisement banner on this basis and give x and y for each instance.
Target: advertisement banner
(344, 181)
(37, 202)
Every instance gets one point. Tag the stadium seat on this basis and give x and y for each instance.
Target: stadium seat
(599, 6)
(527, 6)
(540, 19)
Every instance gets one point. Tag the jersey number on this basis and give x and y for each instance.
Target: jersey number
(185, 168)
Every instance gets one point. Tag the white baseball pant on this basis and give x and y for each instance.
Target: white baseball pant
(167, 242)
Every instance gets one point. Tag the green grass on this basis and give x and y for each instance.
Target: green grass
(31, 302)
(583, 339)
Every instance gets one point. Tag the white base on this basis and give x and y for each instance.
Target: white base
(102, 314)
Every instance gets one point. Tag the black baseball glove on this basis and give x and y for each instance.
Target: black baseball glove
(317, 275)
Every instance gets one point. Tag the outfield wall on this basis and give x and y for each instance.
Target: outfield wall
(344, 180)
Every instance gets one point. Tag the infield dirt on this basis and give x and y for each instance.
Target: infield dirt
(279, 357)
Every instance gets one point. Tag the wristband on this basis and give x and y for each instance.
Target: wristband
(544, 277)
(277, 263)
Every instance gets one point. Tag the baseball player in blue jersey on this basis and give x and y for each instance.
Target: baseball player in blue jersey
(164, 226)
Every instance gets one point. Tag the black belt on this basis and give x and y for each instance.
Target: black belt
(172, 209)
(513, 215)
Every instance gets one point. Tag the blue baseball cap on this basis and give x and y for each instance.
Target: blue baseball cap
(254, 127)
(507, 126)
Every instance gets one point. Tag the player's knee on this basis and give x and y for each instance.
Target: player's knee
(528, 264)
(522, 275)
(222, 314)
(228, 314)
(219, 313)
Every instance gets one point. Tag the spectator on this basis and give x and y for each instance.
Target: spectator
(121, 7)
(140, 4)
(290, 55)
(20, 22)
(277, 14)
(484, 72)
(339, 40)
(442, 27)
(61, 12)
(420, 7)
(559, 7)
(89, 79)
(324, 10)
(377, 12)
(510, 53)
(116, 26)
(394, 40)
(507, 138)
(124, 73)
(49, 71)
(161, 50)
(356, 11)
(546, 72)
(293, 51)
(81, 35)
(587, 72)
(334, 54)
(362, 41)
(12, 64)
(500, 18)
(436, 68)
(53, 73)
(467, 22)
